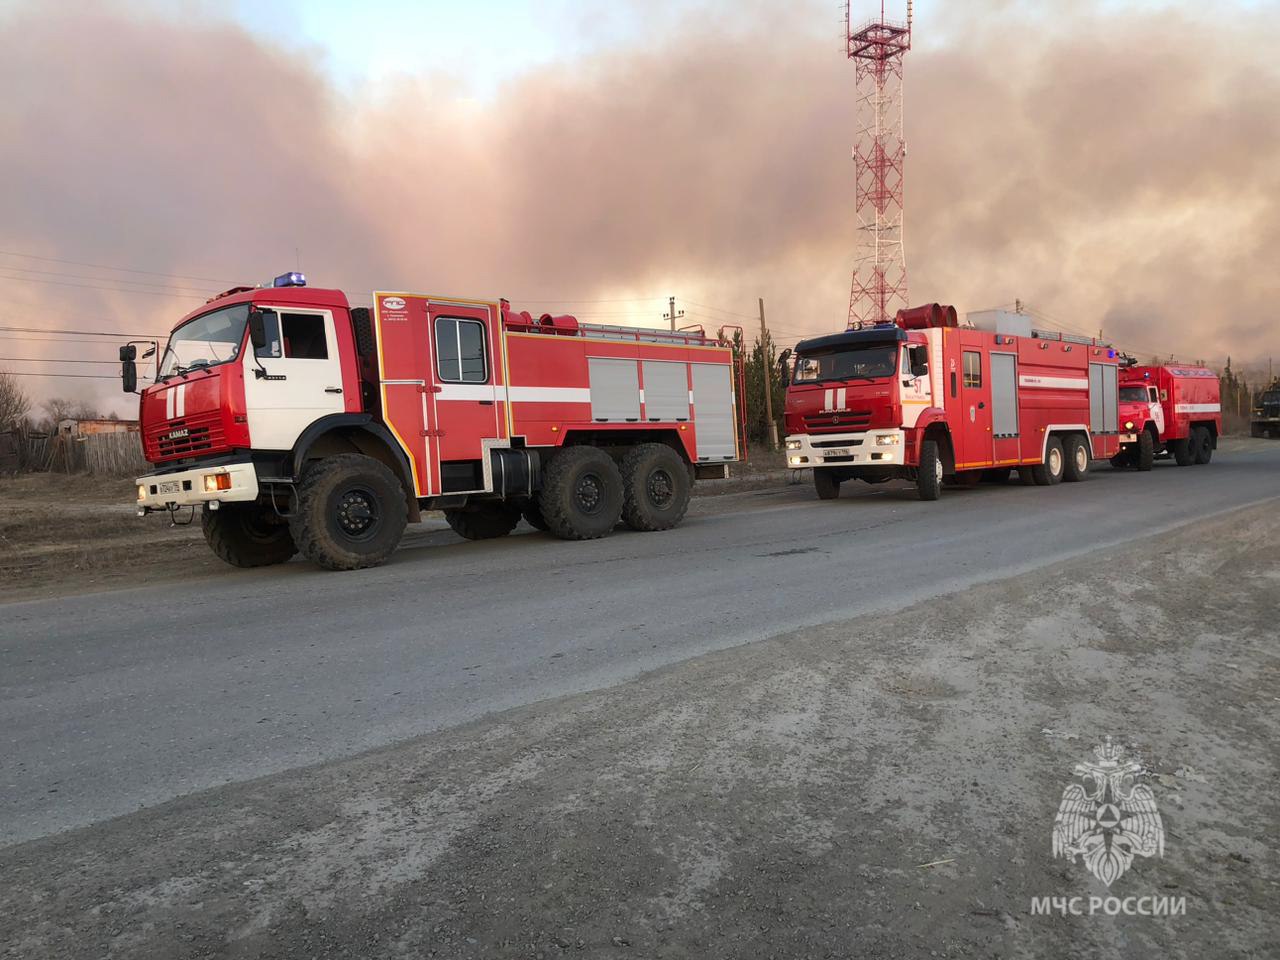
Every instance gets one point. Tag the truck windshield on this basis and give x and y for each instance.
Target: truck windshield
(205, 341)
(871, 362)
(1133, 394)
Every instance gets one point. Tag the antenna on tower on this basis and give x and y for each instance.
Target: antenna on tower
(879, 283)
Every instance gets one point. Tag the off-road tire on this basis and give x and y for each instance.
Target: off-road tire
(247, 534)
(582, 494)
(484, 521)
(1204, 445)
(329, 524)
(533, 515)
(826, 485)
(656, 487)
(1184, 454)
(1050, 472)
(929, 472)
(1145, 455)
(1075, 462)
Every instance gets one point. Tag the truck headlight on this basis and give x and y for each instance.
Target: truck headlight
(794, 444)
(142, 493)
(887, 440)
(1128, 424)
(795, 461)
(213, 482)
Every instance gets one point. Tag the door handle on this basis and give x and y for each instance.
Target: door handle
(486, 403)
(332, 389)
(982, 405)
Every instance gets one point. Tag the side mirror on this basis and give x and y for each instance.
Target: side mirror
(257, 329)
(128, 369)
(784, 358)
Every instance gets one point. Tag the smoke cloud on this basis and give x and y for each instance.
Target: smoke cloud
(1116, 170)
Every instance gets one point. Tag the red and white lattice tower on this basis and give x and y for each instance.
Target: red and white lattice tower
(880, 269)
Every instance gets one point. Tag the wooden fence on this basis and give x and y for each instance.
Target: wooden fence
(103, 454)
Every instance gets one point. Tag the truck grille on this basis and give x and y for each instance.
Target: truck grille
(846, 421)
(196, 435)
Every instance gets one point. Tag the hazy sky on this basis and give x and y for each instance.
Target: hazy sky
(1116, 166)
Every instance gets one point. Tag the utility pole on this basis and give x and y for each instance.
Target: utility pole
(768, 380)
(671, 315)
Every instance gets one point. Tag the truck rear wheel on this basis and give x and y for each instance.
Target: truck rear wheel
(929, 472)
(350, 512)
(1050, 472)
(581, 496)
(485, 521)
(1203, 440)
(1075, 465)
(826, 485)
(656, 487)
(247, 534)
(1183, 452)
(1145, 455)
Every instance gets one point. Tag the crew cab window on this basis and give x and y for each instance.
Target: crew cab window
(300, 336)
(460, 351)
(918, 361)
(972, 369)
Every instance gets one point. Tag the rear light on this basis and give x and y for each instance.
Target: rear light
(213, 482)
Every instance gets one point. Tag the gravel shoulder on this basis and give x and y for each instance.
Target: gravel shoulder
(884, 787)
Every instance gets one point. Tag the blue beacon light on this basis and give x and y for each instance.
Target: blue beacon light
(294, 279)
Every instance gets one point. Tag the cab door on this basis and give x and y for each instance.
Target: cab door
(295, 379)
(467, 398)
(975, 447)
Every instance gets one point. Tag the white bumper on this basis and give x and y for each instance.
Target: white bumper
(187, 488)
(874, 448)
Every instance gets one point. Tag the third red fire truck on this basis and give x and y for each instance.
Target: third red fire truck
(1173, 410)
(925, 399)
(297, 423)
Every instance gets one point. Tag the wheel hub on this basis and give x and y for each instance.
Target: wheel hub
(588, 493)
(357, 513)
(660, 488)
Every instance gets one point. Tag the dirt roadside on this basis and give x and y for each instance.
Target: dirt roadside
(878, 788)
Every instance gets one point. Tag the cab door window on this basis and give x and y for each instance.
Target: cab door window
(300, 336)
(972, 369)
(460, 351)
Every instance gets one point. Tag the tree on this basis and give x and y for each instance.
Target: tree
(14, 405)
(757, 425)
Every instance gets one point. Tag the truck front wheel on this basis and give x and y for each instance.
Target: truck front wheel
(581, 496)
(656, 487)
(826, 484)
(483, 522)
(350, 512)
(929, 472)
(247, 534)
(1145, 455)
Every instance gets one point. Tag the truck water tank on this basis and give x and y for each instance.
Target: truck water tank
(1001, 321)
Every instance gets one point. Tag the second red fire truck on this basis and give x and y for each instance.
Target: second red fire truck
(1171, 410)
(925, 399)
(295, 422)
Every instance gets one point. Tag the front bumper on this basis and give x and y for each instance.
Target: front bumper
(187, 488)
(874, 448)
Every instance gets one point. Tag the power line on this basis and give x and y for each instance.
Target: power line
(85, 333)
(52, 360)
(85, 286)
(72, 376)
(102, 266)
(79, 276)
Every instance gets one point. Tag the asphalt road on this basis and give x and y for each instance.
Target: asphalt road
(117, 701)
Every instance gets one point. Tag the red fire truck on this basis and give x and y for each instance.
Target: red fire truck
(296, 422)
(1176, 411)
(925, 399)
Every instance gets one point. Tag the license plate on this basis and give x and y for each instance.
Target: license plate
(1128, 437)
(169, 486)
(837, 452)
